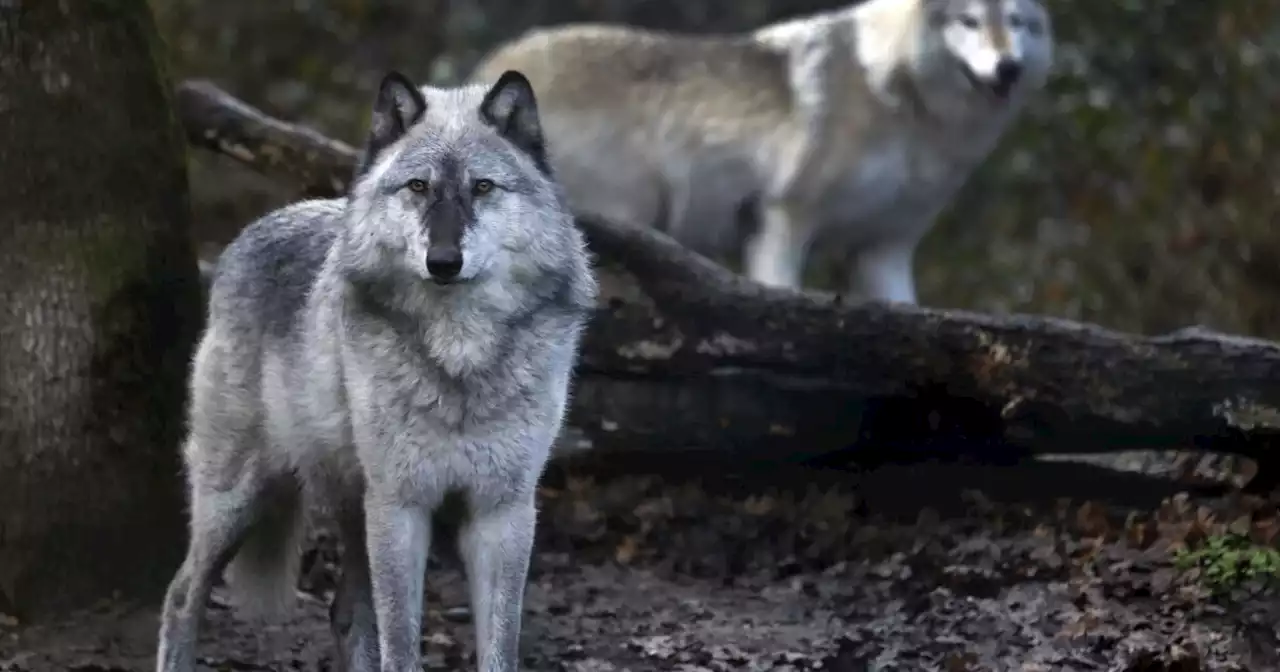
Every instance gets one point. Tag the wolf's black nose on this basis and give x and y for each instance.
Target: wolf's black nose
(1007, 73)
(444, 263)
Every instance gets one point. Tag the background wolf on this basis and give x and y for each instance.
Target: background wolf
(854, 127)
(377, 354)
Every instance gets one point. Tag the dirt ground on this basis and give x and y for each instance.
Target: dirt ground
(1036, 567)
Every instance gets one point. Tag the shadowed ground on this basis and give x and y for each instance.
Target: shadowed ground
(830, 571)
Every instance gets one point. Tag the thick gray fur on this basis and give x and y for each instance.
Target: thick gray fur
(845, 132)
(335, 372)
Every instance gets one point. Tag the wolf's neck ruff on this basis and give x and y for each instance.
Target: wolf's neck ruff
(458, 328)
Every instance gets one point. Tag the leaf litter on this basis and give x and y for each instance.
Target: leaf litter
(905, 568)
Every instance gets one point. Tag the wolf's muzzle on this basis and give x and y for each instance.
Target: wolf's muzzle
(1008, 72)
(444, 263)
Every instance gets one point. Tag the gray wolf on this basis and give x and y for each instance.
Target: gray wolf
(380, 356)
(848, 130)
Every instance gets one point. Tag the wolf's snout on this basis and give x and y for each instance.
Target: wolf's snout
(444, 263)
(1008, 71)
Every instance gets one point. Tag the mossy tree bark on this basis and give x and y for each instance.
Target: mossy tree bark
(99, 306)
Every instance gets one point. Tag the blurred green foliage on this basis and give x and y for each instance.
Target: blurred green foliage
(1228, 562)
(1135, 193)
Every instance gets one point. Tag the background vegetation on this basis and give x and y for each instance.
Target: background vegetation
(1136, 193)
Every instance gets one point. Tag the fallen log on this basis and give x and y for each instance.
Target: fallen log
(684, 355)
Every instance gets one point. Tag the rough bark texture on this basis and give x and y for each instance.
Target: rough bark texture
(685, 355)
(98, 306)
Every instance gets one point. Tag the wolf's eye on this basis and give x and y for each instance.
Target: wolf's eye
(970, 22)
(418, 186)
(481, 187)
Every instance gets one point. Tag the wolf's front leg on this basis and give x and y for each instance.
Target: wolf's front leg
(775, 253)
(495, 547)
(884, 273)
(398, 534)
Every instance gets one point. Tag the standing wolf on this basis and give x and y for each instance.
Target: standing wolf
(378, 354)
(854, 127)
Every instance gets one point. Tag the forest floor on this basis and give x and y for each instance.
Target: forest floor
(1042, 566)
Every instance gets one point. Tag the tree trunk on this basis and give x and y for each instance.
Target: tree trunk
(101, 306)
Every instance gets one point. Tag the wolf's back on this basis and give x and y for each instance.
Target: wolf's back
(262, 278)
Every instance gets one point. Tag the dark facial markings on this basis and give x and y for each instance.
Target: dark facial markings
(448, 202)
(448, 207)
(998, 33)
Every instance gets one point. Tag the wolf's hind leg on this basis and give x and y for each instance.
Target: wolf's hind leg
(351, 616)
(220, 518)
(495, 547)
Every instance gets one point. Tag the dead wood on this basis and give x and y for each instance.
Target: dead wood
(684, 355)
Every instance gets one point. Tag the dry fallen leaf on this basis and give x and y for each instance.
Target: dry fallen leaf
(759, 506)
(1241, 525)
(1091, 519)
(579, 484)
(1139, 531)
(961, 661)
(626, 550)
(1265, 531)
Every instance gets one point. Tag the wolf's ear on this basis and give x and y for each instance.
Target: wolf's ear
(399, 106)
(511, 108)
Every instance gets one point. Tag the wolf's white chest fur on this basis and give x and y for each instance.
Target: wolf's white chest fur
(890, 134)
(898, 175)
(873, 182)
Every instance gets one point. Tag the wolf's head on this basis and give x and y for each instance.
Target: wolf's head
(454, 185)
(999, 48)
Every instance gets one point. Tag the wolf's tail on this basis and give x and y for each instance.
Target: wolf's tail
(263, 575)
